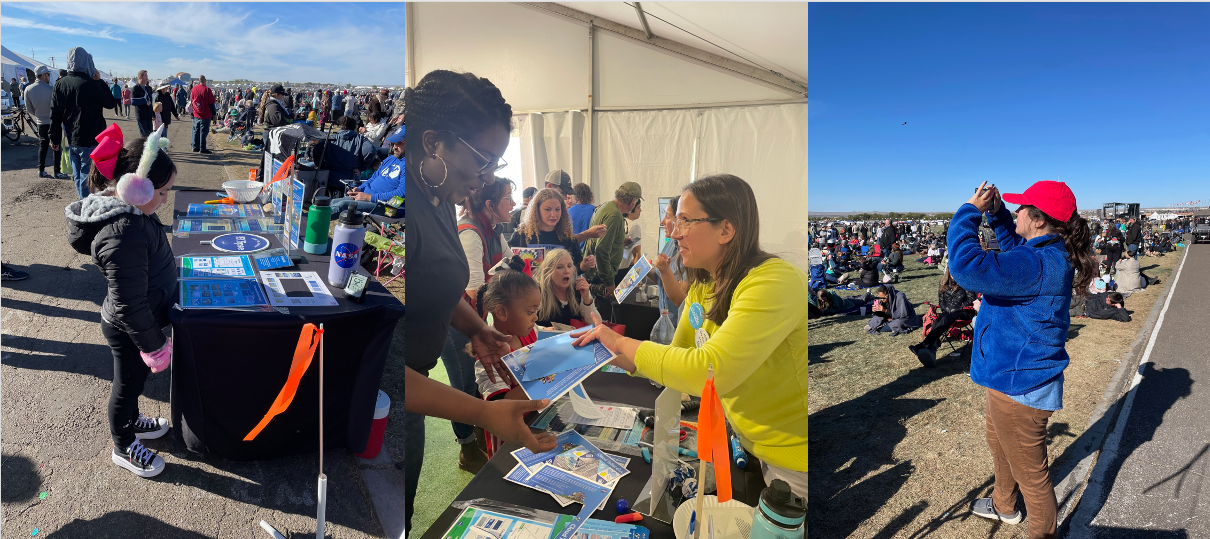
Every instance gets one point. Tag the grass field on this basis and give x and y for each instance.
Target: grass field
(898, 450)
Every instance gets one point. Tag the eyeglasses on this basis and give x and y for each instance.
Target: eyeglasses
(492, 166)
(683, 224)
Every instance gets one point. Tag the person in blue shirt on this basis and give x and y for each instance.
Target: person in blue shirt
(581, 211)
(385, 184)
(1019, 351)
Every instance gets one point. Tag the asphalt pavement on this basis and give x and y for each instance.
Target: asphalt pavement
(55, 381)
(1152, 479)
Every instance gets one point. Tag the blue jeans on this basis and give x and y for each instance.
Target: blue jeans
(460, 367)
(80, 165)
(1134, 248)
(201, 128)
(339, 205)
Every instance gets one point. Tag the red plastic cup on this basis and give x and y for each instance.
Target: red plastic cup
(378, 429)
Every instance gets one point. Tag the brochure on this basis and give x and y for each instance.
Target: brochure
(554, 355)
(202, 224)
(263, 225)
(563, 483)
(296, 289)
(221, 293)
(495, 520)
(558, 384)
(224, 210)
(575, 454)
(272, 259)
(216, 266)
(632, 279)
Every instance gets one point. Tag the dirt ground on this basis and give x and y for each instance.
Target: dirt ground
(898, 450)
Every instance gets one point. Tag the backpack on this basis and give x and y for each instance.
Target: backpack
(816, 279)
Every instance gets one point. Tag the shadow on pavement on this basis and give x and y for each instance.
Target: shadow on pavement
(123, 524)
(21, 479)
(1162, 388)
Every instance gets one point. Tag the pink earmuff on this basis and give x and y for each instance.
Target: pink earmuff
(134, 190)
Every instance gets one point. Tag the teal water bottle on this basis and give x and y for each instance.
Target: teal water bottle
(780, 515)
(319, 218)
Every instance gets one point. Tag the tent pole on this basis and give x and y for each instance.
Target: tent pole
(592, 89)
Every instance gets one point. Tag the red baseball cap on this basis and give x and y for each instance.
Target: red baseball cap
(1053, 198)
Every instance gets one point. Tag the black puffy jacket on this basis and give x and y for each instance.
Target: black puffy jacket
(131, 249)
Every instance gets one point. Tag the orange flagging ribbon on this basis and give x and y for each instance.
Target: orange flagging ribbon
(283, 171)
(712, 439)
(303, 352)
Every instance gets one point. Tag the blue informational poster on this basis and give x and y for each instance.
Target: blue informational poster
(294, 210)
(272, 259)
(553, 355)
(224, 210)
(573, 453)
(558, 384)
(632, 279)
(221, 293)
(263, 226)
(216, 266)
(563, 483)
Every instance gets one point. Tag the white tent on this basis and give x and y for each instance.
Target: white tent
(15, 65)
(611, 96)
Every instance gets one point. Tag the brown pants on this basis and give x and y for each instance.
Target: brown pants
(1016, 435)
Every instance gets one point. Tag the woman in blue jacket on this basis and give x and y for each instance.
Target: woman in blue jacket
(1018, 352)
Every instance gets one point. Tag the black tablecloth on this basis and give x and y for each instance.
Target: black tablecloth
(229, 366)
(601, 386)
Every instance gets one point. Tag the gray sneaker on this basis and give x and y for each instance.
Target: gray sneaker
(983, 507)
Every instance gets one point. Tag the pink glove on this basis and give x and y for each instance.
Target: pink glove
(159, 360)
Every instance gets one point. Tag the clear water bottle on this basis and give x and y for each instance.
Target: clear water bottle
(663, 330)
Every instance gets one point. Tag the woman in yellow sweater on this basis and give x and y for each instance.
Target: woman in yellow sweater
(745, 314)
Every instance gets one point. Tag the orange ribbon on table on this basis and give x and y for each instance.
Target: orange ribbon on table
(303, 352)
(712, 439)
(283, 171)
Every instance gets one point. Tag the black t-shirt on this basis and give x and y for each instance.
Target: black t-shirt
(437, 277)
(549, 238)
(562, 316)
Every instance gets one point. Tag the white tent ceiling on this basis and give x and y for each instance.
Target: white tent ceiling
(771, 34)
(664, 110)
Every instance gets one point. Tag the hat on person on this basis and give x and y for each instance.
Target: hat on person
(631, 189)
(1053, 198)
(42, 70)
(529, 192)
(562, 179)
(397, 136)
(277, 89)
(163, 87)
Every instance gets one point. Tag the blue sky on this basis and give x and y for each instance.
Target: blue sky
(358, 43)
(1113, 99)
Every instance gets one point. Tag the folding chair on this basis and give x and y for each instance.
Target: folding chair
(865, 250)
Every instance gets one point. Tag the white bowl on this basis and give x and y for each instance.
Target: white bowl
(243, 191)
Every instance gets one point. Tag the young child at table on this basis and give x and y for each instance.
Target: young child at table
(513, 299)
(117, 225)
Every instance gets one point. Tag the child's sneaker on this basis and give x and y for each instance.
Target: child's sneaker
(983, 507)
(139, 460)
(150, 428)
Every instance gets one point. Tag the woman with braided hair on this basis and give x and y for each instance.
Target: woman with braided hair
(459, 126)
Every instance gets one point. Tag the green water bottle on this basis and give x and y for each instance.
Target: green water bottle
(319, 218)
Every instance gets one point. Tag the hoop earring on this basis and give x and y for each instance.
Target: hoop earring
(443, 178)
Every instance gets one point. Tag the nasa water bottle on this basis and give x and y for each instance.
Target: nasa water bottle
(347, 241)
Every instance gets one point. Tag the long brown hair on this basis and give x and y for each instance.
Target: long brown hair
(1077, 237)
(729, 198)
(948, 284)
(529, 229)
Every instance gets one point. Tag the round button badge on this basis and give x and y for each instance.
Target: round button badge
(697, 315)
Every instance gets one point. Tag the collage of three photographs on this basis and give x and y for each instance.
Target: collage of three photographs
(608, 311)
